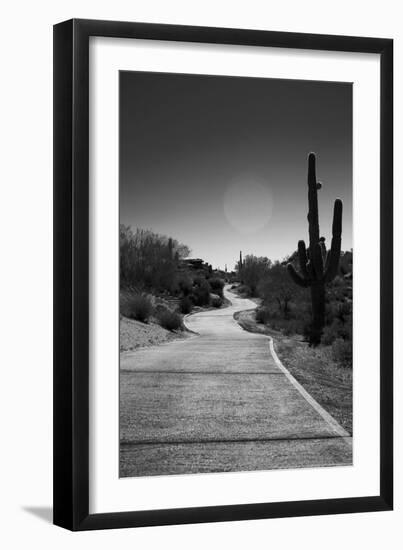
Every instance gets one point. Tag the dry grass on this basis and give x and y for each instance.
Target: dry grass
(330, 383)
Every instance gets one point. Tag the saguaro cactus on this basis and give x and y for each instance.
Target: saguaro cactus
(317, 266)
(240, 266)
(170, 248)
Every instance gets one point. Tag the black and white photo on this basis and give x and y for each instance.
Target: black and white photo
(236, 273)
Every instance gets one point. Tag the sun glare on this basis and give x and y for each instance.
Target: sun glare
(248, 205)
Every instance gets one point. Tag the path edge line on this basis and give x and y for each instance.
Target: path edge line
(328, 418)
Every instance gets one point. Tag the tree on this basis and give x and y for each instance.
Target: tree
(149, 260)
(254, 269)
(277, 287)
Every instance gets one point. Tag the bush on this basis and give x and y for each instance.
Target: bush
(342, 352)
(185, 305)
(330, 333)
(289, 330)
(217, 285)
(169, 320)
(253, 271)
(185, 285)
(262, 315)
(201, 292)
(337, 329)
(139, 308)
(201, 297)
(149, 260)
(200, 281)
(216, 301)
(293, 327)
(244, 290)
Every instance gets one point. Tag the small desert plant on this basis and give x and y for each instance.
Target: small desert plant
(185, 285)
(185, 305)
(201, 292)
(262, 315)
(217, 285)
(289, 329)
(342, 352)
(343, 311)
(337, 329)
(254, 269)
(330, 333)
(169, 319)
(216, 301)
(139, 307)
(244, 290)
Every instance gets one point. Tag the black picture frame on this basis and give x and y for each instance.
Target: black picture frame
(71, 274)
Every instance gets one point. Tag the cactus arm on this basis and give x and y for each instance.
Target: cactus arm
(296, 277)
(303, 259)
(313, 216)
(327, 262)
(337, 219)
(335, 248)
(323, 249)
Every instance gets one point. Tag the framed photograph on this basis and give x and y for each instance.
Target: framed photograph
(223, 274)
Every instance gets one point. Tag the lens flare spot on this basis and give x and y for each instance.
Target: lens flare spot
(248, 205)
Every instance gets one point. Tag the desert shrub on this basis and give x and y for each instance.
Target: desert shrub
(346, 331)
(186, 305)
(201, 297)
(149, 260)
(244, 290)
(330, 333)
(217, 285)
(253, 270)
(201, 292)
(338, 308)
(294, 326)
(289, 329)
(307, 330)
(262, 315)
(216, 301)
(139, 307)
(277, 289)
(199, 280)
(185, 285)
(165, 279)
(342, 351)
(169, 319)
(339, 327)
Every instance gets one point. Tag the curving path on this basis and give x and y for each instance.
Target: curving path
(220, 401)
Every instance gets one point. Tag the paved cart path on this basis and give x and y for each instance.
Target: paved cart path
(220, 401)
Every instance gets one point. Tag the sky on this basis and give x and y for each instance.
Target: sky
(220, 163)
